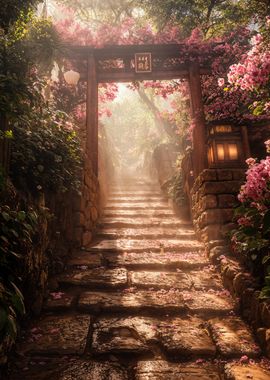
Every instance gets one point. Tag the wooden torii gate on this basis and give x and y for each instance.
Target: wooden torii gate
(129, 63)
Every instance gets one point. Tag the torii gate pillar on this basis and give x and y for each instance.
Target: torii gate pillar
(92, 113)
(199, 132)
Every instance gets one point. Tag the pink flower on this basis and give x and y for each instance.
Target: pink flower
(244, 221)
(251, 161)
(221, 82)
(267, 144)
(244, 359)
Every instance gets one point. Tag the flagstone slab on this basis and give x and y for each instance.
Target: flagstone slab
(142, 222)
(206, 279)
(139, 213)
(85, 259)
(165, 280)
(89, 370)
(128, 245)
(99, 277)
(132, 301)
(162, 370)
(60, 300)
(124, 335)
(246, 371)
(199, 280)
(186, 337)
(233, 338)
(137, 206)
(144, 198)
(208, 303)
(151, 260)
(72, 368)
(136, 334)
(58, 335)
(146, 233)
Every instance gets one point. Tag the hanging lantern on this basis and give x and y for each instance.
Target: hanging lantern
(225, 148)
(72, 77)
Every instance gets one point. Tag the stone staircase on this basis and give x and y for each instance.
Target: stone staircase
(141, 303)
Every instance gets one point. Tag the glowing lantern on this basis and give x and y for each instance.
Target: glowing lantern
(225, 148)
(72, 77)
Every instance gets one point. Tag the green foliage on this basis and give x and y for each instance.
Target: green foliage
(174, 188)
(11, 10)
(211, 16)
(17, 229)
(251, 238)
(27, 51)
(107, 12)
(46, 154)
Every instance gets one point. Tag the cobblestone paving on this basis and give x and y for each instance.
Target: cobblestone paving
(141, 303)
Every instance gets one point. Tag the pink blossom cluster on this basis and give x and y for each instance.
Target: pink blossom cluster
(257, 186)
(254, 72)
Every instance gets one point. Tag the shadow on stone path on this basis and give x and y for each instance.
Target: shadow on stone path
(141, 303)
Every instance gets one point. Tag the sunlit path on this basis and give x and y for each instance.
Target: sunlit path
(142, 302)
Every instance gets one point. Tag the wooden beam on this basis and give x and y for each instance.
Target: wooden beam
(199, 133)
(118, 51)
(121, 76)
(92, 113)
(132, 76)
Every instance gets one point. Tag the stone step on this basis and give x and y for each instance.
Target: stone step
(140, 222)
(160, 369)
(190, 260)
(146, 233)
(146, 245)
(137, 206)
(95, 278)
(239, 371)
(135, 193)
(137, 199)
(133, 301)
(68, 368)
(150, 213)
(139, 184)
(137, 335)
(155, 261)
(135, 189)
(198, 280)
(58, 335)
(233, 338)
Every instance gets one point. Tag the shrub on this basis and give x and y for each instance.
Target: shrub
(252, 237)
(17, 229)
(46, 154)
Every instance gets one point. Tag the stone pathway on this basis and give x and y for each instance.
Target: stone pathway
(141, 303)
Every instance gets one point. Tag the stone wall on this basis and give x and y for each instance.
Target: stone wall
(214, 196)
(245, 290)
(86, 207)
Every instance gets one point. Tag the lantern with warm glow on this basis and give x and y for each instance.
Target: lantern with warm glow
(72, 77)
(225, 148)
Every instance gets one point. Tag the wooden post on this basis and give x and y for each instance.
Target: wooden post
(245, 140)
(199, 133)
(92, 113)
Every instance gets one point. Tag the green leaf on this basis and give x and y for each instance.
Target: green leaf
(265, 259)
(21, 216)
(11, 327)
(266, 222)
(3, 318)
(5, 216)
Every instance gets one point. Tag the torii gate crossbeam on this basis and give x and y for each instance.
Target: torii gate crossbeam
(117, 64)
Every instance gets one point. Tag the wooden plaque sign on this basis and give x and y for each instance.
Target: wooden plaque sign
(143, 63)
